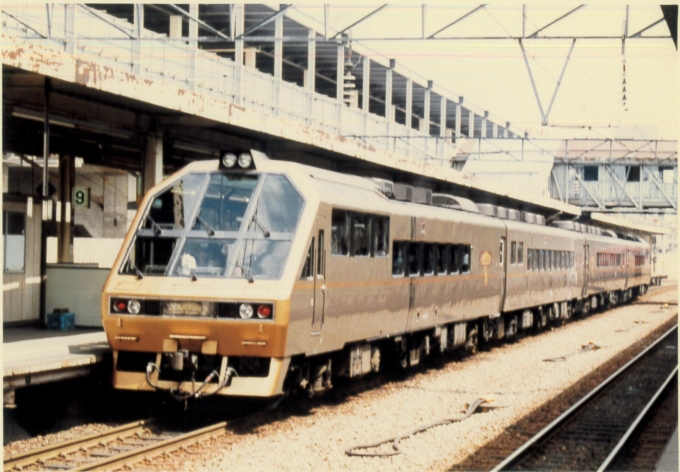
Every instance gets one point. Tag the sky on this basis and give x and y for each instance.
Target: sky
(492, 75)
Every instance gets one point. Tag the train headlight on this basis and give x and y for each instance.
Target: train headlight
(245, 311)
(245, 160)
(229, 160)
(134, 306)
(263, 311)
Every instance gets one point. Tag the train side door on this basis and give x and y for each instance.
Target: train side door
(503, 264)
(586, 268)
(319, 309)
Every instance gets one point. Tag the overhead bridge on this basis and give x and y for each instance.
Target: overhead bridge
(141, 80)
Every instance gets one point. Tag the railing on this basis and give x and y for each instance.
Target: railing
(101, 38)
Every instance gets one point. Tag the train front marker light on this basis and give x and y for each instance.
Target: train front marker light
(263, 311)
(119, 306)
(245, 311)
(134, 306)
(245, 160)
(229, 160)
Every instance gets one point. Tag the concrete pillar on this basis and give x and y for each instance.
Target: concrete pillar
(238, 10)
(278, 47)
(67, 177)
(459, 110)
(425, 123)
(409, 103)
(366, 89)
(193, 26)
(153, 162)
(442, 117)
(310, 77)
(494, 130)
(388, 95)
(506, 134)
(471, 131)
(175, 26)
(340, 73)
(138, 21)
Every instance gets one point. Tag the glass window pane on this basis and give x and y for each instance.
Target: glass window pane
(454, 258)
(150, 256)
(520, 253)
(398, 257)
(414, 259)
(225, 202)
(529, 259)
(381, 236)
(429, 258)
(170, 209)
(203, 257)
(262, 258)
(442, 257)
(340, 233)
(279, 205)
(321, 263)
(15, 245)
(307, 270)
(464, 259)
(513, 252)
(361, 232)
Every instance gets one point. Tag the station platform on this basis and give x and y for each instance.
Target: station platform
(32, 356)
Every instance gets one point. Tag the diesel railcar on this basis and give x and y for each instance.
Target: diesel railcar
(242, 278)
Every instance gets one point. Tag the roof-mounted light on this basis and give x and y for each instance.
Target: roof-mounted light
(245, 160)
(229, 160)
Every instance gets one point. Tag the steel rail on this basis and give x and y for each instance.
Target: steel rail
(51, 451)
(131, 457)
(519, 453)
(638, 421)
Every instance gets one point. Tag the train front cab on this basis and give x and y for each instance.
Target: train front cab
(199, 297)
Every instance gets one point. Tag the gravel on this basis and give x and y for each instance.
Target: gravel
(514, 375)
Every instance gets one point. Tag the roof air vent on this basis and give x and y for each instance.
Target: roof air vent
(403, 192)
(488, 209)
(528, 217)
(502, 212)
(386, 187)
(568, 225)
(422, 195)
(540, 220)
(454, 203)
(513, 215)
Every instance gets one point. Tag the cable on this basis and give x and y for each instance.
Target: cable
(352, 451)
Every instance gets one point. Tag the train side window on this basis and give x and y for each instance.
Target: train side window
(429, 258)
(541, 259)
(414, 259)
(464, 259)
(381, 236)
(572, 259)
(552, 260)
(442, 258)
(340, 233)
(398, 257)
(454, 259)
(321, 263)
(520, 253)
(563, 260)
(308, 269)
(513, 252)
(529, 259)
(361, 232)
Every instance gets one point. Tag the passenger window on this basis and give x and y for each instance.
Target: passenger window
(340, 233)
(398, 258)
(513, 253)
(464, 259)
(429, 258)
(530, 259)
(500, 252)
(381, 236)
(520, 253)
(413, 252)
(308, 269)
(361, 231)
(454, 259)
(321, 263)
(571, 260)
(442, 257)
(552, 260)
(541, 259)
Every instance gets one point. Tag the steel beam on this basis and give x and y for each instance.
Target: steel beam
(311, 61)
(453, 22)
(639, 33)
(278, 47)
(585, 187)
(425, 124)
(409, 104)
(388, 95)
(366, 87)
(339, 33)
(535, 33)
(340, 74)
(622, 187)
(442, 117)
(266, 21)
(658, 185)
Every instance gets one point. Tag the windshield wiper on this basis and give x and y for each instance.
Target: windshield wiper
(211, 231)
(155, 226)
(139, 273)
(245, 272)
(257, 222)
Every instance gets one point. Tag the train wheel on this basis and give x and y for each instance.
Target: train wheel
(487, 328)
(511, 326)
(472, 340)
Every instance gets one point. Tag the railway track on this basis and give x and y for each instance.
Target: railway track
(115, 448)
(597, 432)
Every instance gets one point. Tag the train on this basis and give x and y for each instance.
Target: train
(252, 277)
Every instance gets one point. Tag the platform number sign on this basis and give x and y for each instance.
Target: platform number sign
(81, 197)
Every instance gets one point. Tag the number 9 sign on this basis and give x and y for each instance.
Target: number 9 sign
(81, 197)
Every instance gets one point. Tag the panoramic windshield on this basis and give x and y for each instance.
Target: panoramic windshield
(218, 225)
